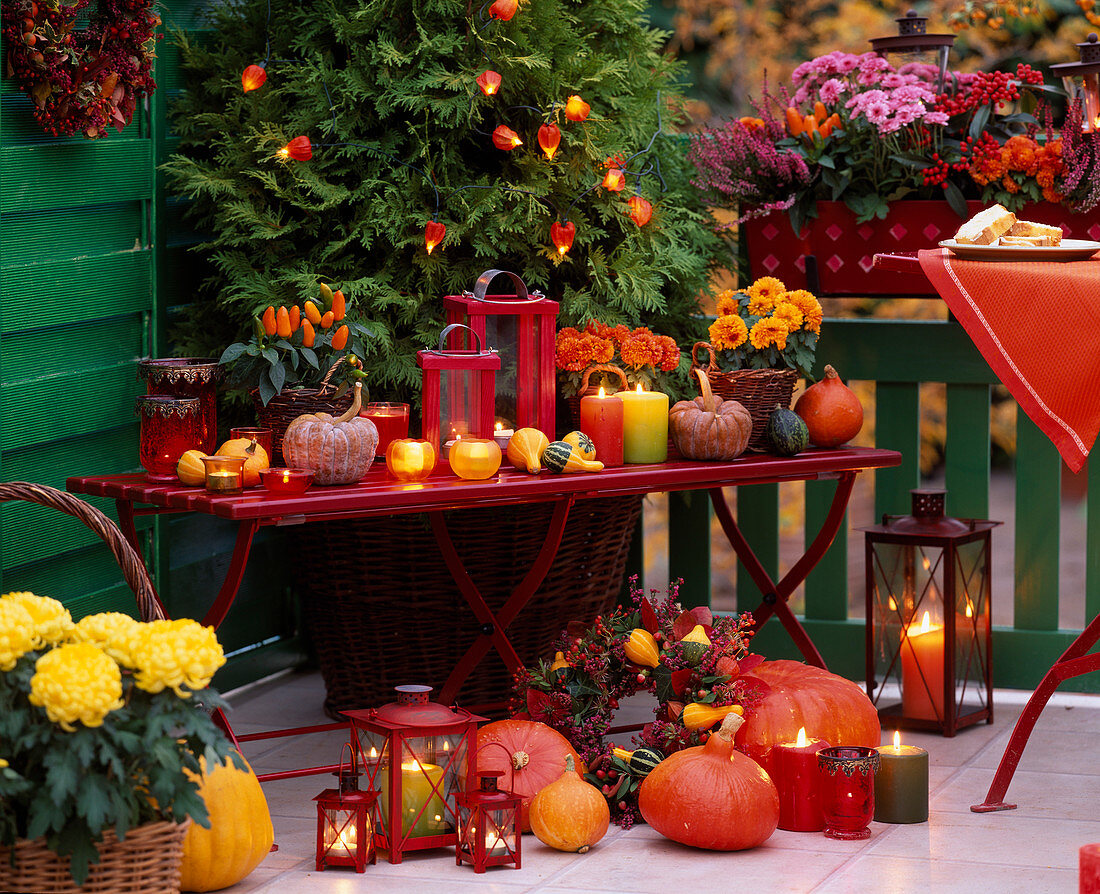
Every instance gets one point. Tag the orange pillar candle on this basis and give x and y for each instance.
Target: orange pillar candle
(798, 781)
(602, 421)
(645, 426)
(922, 671)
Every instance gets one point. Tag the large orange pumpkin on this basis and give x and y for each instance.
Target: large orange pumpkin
(530, 754)
(831, 411)
(800, 695)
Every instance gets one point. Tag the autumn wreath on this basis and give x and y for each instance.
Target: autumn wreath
(81, 80)
(690, 659)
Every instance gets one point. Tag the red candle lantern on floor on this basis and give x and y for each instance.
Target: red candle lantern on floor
(417, 754)
(521, 327)
(489, 833)
(458, 391)
(848, 790)
(928, 617)
(345, 824)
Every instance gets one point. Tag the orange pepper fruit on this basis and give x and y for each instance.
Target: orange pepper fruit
(340, 338)
(308, 334)
(295, 317)
(268, 319)
(834, 121)
(825, 129)
(338, 305)
(794, 121)
(313, 312)
(820, 114)
(809, 126)
(282, 322)
(328, 319)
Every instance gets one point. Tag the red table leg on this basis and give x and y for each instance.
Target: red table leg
(232, 583)
(1073, 663)
(777, 594)
(124, 509)
(493, 631)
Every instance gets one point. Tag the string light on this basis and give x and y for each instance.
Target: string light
(614, 180)
(640, 210)
(576, 109)
(561, 234)
(434, 231)
(488, 81)
(253, 77)
(503, 9)
(549, 138)
(505, 138)
(300, 149)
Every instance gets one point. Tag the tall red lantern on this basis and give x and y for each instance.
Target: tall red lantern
(458, 391)
(521, 327)
(489, 832)
(418, 754)
(345, 823)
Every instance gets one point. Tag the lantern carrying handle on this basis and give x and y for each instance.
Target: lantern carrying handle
(447, 331)
(481, 288)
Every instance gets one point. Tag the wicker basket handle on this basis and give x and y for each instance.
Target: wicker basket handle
(603, 367)
(712, 362)
(133, 569)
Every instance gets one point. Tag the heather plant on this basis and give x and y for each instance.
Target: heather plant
(1080, 180)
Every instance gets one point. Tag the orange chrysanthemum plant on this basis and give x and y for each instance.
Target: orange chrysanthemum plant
(1021, 167)
(766, 327)
(645, 358)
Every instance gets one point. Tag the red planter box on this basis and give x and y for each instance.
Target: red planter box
(844, 251)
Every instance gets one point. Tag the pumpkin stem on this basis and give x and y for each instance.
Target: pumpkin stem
(730, 724)
(709, 402)
(356, 405)
(570, 767)
(520, 760)
(251, 448)
(831, 373)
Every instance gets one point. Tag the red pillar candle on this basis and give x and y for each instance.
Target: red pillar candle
(602, 421)
(1089, 858)
(798, 782)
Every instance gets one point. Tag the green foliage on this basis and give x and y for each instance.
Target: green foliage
(407, 136)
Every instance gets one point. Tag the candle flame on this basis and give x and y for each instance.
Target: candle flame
(446, 745)
(373, 751)
(969, 610)
(500, 426)
(801, 742)
(640, 388)
(897, 740)
(602, 392)
(286, 477)
(926, 623)
(893, 605)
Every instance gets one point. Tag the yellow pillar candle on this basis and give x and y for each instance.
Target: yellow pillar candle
(645, 426)
(421, 784)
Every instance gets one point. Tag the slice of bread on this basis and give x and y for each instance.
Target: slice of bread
(1028, 228)
(986, 227)
(1025, 240)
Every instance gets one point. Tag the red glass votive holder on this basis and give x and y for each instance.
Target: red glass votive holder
(170, 426)
(224, 474)
(188, 377)
(848, 790)
(391, 420)
(286, 482)
(262, 436)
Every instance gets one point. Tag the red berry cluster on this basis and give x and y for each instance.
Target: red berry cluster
(937, 173)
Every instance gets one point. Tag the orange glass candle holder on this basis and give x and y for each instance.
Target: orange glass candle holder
(224, 474)
(410, 459)
(474, 458)
(286, 482)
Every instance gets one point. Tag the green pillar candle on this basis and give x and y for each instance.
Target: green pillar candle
(901, 784)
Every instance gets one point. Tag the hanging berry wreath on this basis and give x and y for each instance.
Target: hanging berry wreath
(81, 80)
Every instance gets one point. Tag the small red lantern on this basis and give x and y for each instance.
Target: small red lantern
(488, 825)
(434, 231)
(416, 753)
(614, 180)
(489, 82)
(561, 234)
(640, 210)
(576, 109)
(253, 77)
(345, 826)
(549, 138)
(300, 149)
(503, 9)
(505, 138)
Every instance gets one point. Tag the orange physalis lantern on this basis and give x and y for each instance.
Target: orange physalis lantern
(253, 77)
(549, 137)
(434, 231)
(614, 179)
(640, 210)
(561, 234)
(576, 109)
(503, 9)
(488, 81)
(300, 149)
(505, 138)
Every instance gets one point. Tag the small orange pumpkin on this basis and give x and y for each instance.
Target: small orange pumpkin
(831, 411)
(337, 451)
(191, 469)
(569, 814)
(256, 458)
(709, 428)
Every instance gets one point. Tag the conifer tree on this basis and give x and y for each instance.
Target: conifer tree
(385, 90)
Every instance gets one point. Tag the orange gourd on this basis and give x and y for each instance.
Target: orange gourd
(641, 648)
(529, 753)
(191, 469)
(569, 814)
(831, 411)
(701, 716)
(256, 458)
(711, 796)
(800, 695)
(337, 451)
(708, 427)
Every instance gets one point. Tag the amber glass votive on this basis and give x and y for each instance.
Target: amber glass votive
(170, 426)
(474, 458)
(391, 420)
(262, 436)
(848, 790)
(224, 474)
(286, 482)
(410, 459)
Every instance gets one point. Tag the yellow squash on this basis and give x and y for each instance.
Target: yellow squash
(525, 448)
(700, 716)
(641, 648)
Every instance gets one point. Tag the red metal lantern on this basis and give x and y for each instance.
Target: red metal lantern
(488, 81)
(521, 327)
(549, 138)
(561, 234)
(458, 392)
(928, 617)
(253, 77)
(345, 822)
(417, 754)
(505, 138)
(489, 832)
(1082, 81)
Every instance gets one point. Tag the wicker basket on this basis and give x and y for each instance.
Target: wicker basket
(574, 402)
(383, 609)
(759, 390)
(148, 859)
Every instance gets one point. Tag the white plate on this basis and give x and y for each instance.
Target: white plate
(1068, 250)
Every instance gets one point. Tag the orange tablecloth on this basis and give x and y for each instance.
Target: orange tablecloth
(1037, 324)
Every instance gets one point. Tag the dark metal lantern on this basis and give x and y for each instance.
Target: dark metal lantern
(1082, 81)
(913, 40)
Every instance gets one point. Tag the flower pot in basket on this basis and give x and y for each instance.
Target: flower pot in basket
(758, 390)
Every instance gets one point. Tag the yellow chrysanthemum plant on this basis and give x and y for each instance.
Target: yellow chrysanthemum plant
(766, 327)
(98, 721)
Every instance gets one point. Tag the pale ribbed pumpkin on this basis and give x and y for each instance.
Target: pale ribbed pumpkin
(337, 451)
(709, 428)
(240, 833)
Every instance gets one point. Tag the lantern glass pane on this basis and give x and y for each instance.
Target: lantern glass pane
(423, 791)
(341, 840)
(972, 618)
(1091, 100)
(502, 333)
(374, 753)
